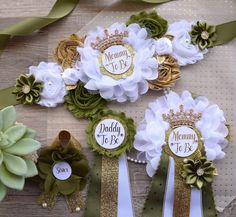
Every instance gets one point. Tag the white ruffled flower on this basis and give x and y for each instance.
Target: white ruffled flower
(183, 50)
(163, 46)
(127, 88)
(54, 88)
(150, 136)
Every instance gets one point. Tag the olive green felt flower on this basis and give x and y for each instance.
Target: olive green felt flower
(82, 103)
(152, 21)
(198, 172)
(16, 143)
(203, 35)
(27, 89)
(68, 150)
(129, 133)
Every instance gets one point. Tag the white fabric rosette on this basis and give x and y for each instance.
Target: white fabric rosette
(150, 136)
(130, 87)
(54, 88)
(183, 50)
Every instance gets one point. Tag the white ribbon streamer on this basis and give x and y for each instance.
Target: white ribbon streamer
(125, 207)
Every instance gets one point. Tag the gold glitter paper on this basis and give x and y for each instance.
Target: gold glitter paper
(109, 187)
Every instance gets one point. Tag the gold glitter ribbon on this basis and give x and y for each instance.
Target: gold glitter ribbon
(109, 187)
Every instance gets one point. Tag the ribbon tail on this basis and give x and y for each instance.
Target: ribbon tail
(7, 98)
(225, 32)
(75, 201)
(154, 203)
(94, 193)
(125, 207)
(48, 199)
(208, 202)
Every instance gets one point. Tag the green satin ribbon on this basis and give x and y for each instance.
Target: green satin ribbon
(7, 98)
(154, 1)
(60, 9)
(225, 32)
(208, 202)
(154, 203)
(94, 193)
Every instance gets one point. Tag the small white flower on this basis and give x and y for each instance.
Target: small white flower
(163, 46)
(183, 50)
(151, 134)
(54, 88)
(70, 76)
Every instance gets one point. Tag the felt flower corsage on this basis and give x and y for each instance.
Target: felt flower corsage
(151, 134)
(82, 103)
(62, 170)
(16, 144)
(116, 65)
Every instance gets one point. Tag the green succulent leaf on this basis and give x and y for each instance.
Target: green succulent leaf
(31, 169)
(14, 164)
(30, 133)
(16, 132)
(23, 147)
(11, 180)
(3, 191)
(8, 117)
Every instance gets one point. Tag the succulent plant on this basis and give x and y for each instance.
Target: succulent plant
(16, 143)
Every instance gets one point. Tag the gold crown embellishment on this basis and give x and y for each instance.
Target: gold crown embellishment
(110, 39)
(182, 117)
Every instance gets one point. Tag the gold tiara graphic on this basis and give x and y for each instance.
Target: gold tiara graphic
(116, 38)
(182, 117)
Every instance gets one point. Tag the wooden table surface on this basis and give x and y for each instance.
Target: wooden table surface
(30, 50)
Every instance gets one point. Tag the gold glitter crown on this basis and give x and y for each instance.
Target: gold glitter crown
(182, 117)
(110, 39)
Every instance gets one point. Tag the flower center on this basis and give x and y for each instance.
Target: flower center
(200, 172)
(205, 35)
(26, 89)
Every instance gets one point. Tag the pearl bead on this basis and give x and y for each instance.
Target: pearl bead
(77, 209)
(200, 172)
(205, 35)
(26, 89)
(44, 205)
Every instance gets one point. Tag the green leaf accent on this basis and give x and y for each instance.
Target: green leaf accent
(8, 117)
(14, 164)
(11, 180)
(82, 103)
(16, 132)
(129, 127)
(67, 187)
(31, 169)
(154, 23)
(3, 191)
(23, 147)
